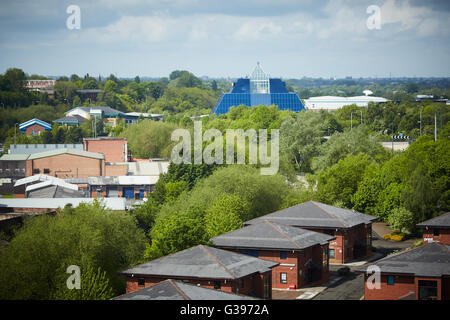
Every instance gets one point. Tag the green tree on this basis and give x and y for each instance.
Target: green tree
(402, 220)
(225, 214)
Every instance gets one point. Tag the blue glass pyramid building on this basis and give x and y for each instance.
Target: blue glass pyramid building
(257, 90)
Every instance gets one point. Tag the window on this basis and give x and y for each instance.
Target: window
(331, 253)
(283, 277)
(283, 255)
(36, 171)
(391, 280)
(141, 282)
(436, 232)
(253, 253)
(325, 258)
(267, 287)
(427, 290)
(217, 285)
(46, 170)
(241, 283)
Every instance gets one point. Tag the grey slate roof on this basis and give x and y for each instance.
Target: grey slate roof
(177, 290)
(203, 262)
(72, 118)
(271, 236)
(428, 260)
(442, 221)
(316, 215)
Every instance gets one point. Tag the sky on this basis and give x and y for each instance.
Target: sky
(290, 38)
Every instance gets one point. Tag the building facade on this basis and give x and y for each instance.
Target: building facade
(258, 89)
(437, 229)
(302, 255)
(352, 230)
(206, 267)
(34, 127)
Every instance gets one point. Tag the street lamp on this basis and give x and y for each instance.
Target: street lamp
(15, 130)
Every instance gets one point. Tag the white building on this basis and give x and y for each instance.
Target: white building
(335, 103)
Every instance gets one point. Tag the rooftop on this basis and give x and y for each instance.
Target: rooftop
(177, 290)
(270, 235)
(316, 215)
(203, 262)
(75, 152)
(428, 260)
(28, 123)
(442, 221)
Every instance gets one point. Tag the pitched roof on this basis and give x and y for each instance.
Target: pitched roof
(270, 235)
(203, 262)
(316, 215)
(428, 260)
(14, 157)
(72, 118)
(28, 123)
(442, 221)
(177, 290)
(75, 152)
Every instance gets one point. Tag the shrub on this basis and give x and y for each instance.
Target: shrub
(386, 236)
(397, 237)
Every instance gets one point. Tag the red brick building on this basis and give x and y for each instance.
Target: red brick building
(352, 230)
(114, 149)
(302, 254)
(437, 229)
(34, 127)
(422, 273)
(207, 267)
(66, 163)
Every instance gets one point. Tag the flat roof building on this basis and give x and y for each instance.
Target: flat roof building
(258, 89)
(334, 102)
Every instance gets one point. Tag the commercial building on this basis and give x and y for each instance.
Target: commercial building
(133, 117)
(437, 229)
(206, 267)
(178, 290)
(43, 186)
(331, 103)
(41, 147)
(130, 187)
(34, 127)
(352, 230)
(69, 121)
(422, 273)
(302, 254)
(107, 114)
(258, 89)
(114, 149)
(12, 168)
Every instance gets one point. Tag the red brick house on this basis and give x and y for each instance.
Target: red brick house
(34, 127)
(207, 267)
(437, 229)
(352, 230)
(302, 254)
(422, 273)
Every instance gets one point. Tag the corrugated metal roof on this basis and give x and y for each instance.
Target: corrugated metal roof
(203, 262)
(14, 157)
(54, 203)
(75, 152)
(316, 214)
(40, 147)
(269, 235)
(177, 290)
(123, 180)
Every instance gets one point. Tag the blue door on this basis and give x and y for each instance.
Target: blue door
(128, 193)
(141, 194)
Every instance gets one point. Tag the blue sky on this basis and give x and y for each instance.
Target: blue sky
(290, 38)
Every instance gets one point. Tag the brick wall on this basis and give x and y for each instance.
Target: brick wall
(115, 150)
(37, 128)
(116, 170)
(443, 237)
(67, 166)
(402, 286)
